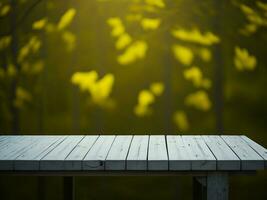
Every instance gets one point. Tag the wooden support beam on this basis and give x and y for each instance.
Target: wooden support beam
(68, 188)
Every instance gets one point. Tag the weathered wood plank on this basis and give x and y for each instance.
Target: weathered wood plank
(201, 157)
(95, 158)
(14, 149)
(74, 159)
(137, 156)
(30, 159)
(157, 153)
(226, 158)
(217, 186)
(116, 159)
(258, 148)
(179, 158)
(54, 160)
(250, 160)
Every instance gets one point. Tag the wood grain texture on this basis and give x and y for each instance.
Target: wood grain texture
(95, 158)
(157, 153)
(250, 160)
(226, 158)
(116, 159)
(137, 157)
(54, 160)
(200, 156)
(257, 147)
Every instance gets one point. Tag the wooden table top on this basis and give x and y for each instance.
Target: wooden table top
(131, 153)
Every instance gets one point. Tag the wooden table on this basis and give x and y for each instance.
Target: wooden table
(208, 159)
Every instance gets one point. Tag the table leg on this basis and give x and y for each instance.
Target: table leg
(217, 186)
(214, 186)
(68, 188)
(199, 188)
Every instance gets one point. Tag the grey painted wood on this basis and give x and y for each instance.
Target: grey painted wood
(74, 159)
(201, 157)
(30, 159)
(217, 186)
(116, 159)
(157, 153)
(258, 148)
(16, 148)
(179, 158)
(137, 156)
(226, 158)
(95, 158)
(9, 141)
(250, 160)
(54, 160)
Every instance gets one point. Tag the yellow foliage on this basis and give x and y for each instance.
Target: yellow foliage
(34, 68)
(39, 24)
(11, 70)
(195, 75)
(142, 111)
(196, 36)
(32, 46)
(136, 50)
(243, 60)
(145, 98)
(102, 88)
(66, 19)
(5, 42)
(99, 90)
(70, 39)
(183, 54)
(200, 100)
(123, 40)
(157, 88)
(205, 54)
(117, 26)
(150, 23)
(85, 80)
(262, 5)
(22, 96)
(156, 3)
(4, 10)
(181, 120)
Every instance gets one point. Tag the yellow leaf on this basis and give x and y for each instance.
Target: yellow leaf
(102, 89)
(200, 100)
(150, 24)
(4, 10)
(22, 96)
(123, 40)
(5, 42)
(156, 3)
(181, 120)
(66, 19)
(142, 111)
(85, 80)
(205, 54)
(196, 36)
(194, 74)
(39, 24)
(243, 60)
(32, 46)
(136, 50)
(145, 98)
(183, 54)
(70, 39)
(117, 26)
(157, 88)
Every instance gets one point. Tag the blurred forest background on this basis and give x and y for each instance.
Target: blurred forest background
(132, 67)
